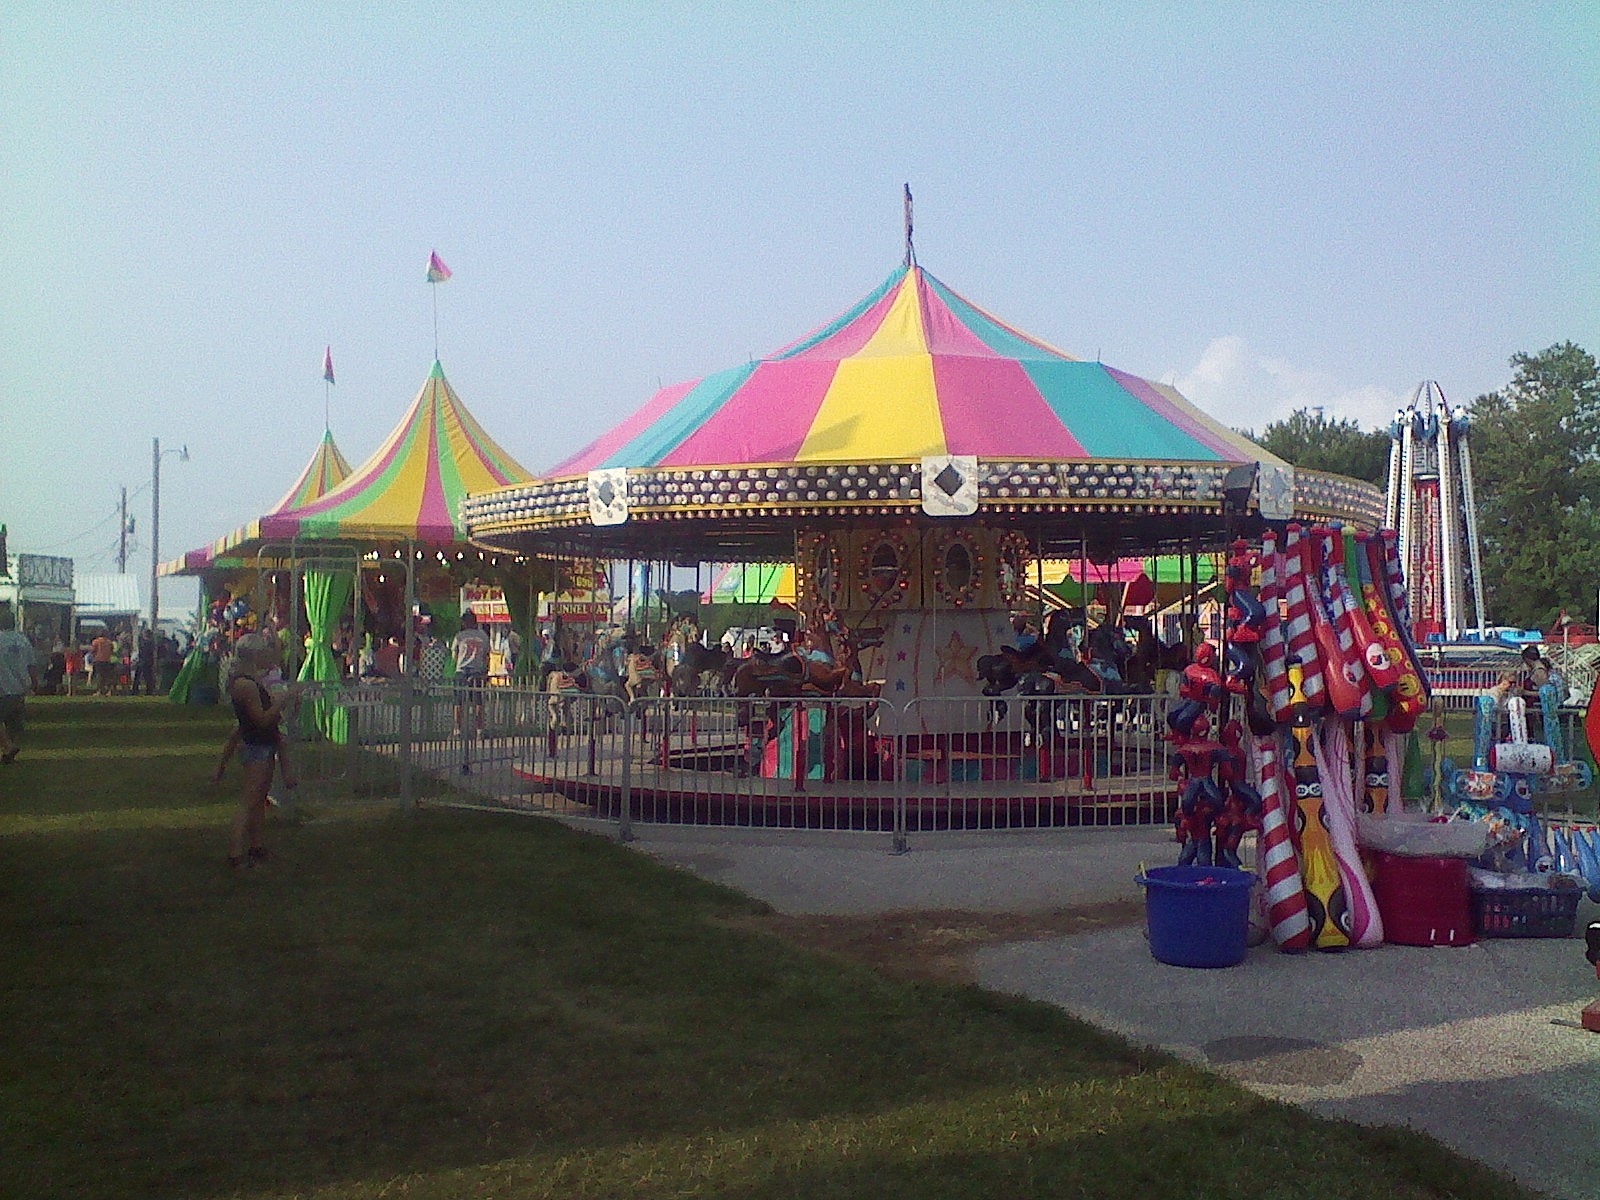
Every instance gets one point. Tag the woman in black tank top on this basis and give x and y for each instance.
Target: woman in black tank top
(258, 715)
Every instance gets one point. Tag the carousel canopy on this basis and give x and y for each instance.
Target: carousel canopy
(911, 370)
(916, 405)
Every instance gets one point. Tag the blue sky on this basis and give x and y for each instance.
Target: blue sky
(1273, 205)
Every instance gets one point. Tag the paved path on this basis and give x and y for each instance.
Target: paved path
(1474, 1045)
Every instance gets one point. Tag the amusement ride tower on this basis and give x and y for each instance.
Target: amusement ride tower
(1431, 504)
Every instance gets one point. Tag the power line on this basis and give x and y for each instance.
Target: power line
(78, 537)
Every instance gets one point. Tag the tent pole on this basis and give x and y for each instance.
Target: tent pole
(408, 800)
(296, 587)
(352, 650)
(1088, 594)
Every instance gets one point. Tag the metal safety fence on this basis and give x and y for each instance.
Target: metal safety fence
(811, 763)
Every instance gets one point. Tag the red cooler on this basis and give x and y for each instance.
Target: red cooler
(1423, 901)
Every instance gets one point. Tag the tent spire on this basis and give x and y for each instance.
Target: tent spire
(911, 253)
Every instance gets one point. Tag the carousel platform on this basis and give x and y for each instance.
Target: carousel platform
(686, 795)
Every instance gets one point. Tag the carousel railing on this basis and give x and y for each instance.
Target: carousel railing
(809, 763)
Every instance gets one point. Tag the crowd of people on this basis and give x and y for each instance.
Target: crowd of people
(109, 661)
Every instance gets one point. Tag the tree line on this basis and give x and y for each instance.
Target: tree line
(1536, 475)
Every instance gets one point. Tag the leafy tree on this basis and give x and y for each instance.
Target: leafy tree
(1536, 470)
(1313, 441)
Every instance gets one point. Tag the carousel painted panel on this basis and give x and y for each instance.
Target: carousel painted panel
(931, 656)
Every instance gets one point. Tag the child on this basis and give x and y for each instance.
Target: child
(562, 685)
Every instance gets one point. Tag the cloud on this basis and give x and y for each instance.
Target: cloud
(1247, 390)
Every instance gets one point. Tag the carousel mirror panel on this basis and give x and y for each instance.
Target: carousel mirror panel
(883, 574)
(959, 572)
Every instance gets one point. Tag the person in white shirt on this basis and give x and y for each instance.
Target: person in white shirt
(471, 652)
(19, 675)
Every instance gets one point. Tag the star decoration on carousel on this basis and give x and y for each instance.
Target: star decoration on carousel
(955, 660)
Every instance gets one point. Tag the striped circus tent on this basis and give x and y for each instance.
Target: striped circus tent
(327, 469)
(911, 370)
(411, 488)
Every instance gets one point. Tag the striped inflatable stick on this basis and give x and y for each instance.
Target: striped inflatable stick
(1326, 907)
(1274, 644)
(1280, 865)
(1298, 634)
(1385, 675)
(1394, 580)
(1341, 611)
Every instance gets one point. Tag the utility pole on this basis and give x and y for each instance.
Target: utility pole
(122, 534)
(155, 533)
(155, 528)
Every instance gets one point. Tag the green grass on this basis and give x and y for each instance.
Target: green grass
(450, 1004)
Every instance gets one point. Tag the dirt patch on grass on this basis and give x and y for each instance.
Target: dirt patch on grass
(940, 945)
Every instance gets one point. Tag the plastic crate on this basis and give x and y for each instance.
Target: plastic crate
(1525, 912)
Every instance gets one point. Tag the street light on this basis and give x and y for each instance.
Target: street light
(155, 531)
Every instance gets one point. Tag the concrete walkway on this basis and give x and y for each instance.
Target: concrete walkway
(1476, 1045)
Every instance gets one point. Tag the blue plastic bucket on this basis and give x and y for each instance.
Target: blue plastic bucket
(1197, 916)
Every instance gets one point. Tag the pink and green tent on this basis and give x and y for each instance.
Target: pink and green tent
(911, 370)
(411, 488)
(751, 583)
(327, 470)
(409, 491)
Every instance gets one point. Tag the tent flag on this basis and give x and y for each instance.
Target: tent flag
(327, 364)
(437, 271)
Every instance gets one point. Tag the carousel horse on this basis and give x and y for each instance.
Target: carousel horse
(685, 663)
(829, 640)
(1116, 666)
(1050, 656)
(811, 668)
(698, 665)
(763, 674)
(604, 673)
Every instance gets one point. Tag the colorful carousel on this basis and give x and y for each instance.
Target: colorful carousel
(915, 460)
